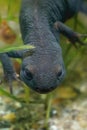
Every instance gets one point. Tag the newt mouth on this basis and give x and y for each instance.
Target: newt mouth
(44, 91)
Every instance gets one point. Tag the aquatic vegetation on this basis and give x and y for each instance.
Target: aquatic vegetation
(29, 107)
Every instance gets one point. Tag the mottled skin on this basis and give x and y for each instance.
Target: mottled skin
(40, 23)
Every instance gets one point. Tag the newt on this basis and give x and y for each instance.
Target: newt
(41, 22)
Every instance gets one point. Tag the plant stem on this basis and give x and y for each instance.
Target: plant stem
(27, 94)
(48, 109)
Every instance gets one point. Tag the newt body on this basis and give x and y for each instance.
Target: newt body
(41, 22)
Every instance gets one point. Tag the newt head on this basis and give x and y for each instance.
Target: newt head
(43, 71)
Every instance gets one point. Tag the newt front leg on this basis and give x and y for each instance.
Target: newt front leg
(69, 33)
(9, 71)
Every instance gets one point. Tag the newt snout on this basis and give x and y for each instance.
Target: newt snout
(43, 72)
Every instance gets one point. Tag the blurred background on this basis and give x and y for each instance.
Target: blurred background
(63, 109)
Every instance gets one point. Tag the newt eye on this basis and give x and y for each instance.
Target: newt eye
(59, 74)
(28, 74)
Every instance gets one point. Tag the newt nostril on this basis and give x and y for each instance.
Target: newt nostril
(37, 89)
(28, 74)
(59, 74)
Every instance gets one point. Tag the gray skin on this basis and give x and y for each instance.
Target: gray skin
(44, 70)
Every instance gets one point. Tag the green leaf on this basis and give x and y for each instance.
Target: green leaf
(85, 40)
(5, 93)
(15, 48)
